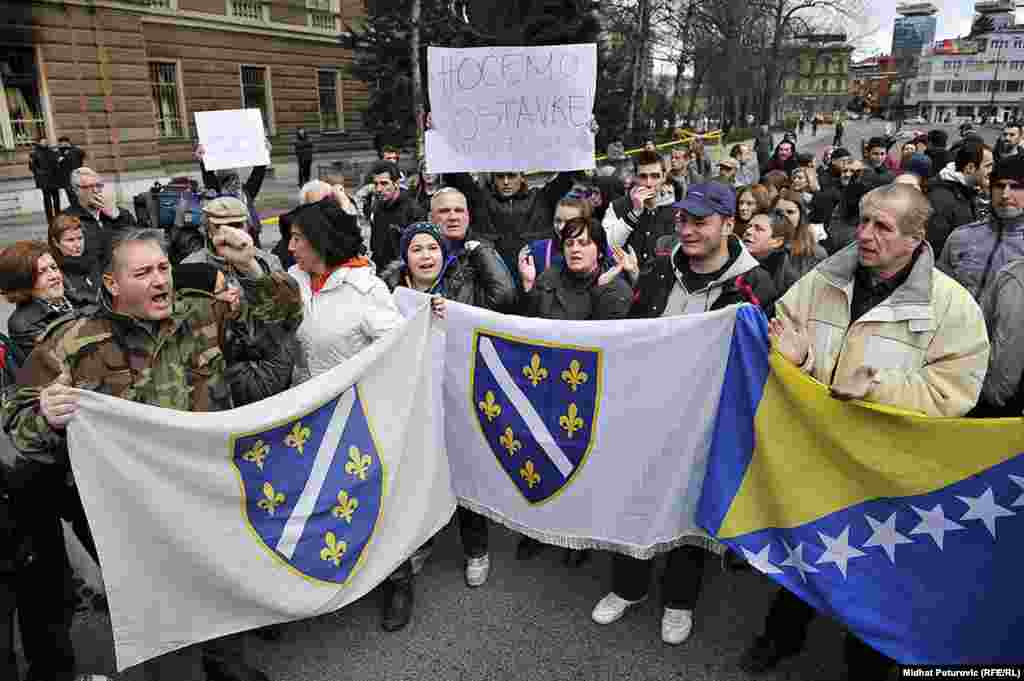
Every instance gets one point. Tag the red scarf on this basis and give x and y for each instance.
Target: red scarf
(318, 281)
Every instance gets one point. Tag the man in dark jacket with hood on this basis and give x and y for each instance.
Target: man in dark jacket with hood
(937, 151)
(303, 154)
(513, 214)
(390, 211)
(709, 269)
(955, 194)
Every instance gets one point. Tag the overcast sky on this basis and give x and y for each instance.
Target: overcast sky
(954, 19)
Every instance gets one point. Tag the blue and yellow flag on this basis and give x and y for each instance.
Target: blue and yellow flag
(907, 529)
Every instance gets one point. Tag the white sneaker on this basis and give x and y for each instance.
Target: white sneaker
(477, 570)
(676, 626)
(611, 608)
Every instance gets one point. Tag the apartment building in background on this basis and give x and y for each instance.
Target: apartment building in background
(123, 78)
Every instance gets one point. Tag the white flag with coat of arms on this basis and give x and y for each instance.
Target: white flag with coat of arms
(209, 524)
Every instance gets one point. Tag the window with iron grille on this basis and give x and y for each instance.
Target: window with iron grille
(940, 86)
(330, 109)
(255, 94)
(956, 86)
(163, 81)
(975, 85)
(163, 4)
(22, 121)
(322, 14)
(247, 9)
(965, 111)
(1013, 86)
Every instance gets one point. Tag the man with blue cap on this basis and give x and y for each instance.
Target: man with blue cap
(707, 269)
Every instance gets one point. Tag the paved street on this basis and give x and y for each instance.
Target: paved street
(532, 619)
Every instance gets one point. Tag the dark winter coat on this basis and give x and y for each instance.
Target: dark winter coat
(786, 269)
(477, 277)
(81, 280)
(387, 220)
(561, 294)
(514, 221)
(954, 205)
(69, 158)
(646, 229)
(99, 232)
(43, 164)
(304, 149)
(29, 320)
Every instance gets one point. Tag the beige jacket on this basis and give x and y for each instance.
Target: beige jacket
(928, 339)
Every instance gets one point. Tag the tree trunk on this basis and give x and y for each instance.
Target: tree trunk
(639, 58)
(698, 81)
(417, 79)
(772, 65)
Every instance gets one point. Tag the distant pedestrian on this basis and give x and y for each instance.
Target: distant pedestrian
(303, 154)
(69, 159)
(837, 141)
(43, 164)
(814, 127)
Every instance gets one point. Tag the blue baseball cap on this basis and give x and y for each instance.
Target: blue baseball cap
(710, 197)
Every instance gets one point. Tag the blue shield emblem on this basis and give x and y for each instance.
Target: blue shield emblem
(313, 488)
(537, 405)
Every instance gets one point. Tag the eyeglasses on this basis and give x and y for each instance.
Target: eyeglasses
(97, 186)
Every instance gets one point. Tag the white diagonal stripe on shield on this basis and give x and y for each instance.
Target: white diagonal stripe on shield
(533, 420)
(303, 509)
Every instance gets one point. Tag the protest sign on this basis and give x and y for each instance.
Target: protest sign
(232, 139)
(511, 108)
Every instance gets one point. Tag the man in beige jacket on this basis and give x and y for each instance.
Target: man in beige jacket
(876, 322)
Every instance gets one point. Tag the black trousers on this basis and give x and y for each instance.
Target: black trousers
(680, 583)
(837, 140)
(51, 202)
(787, 624)
(474, 532)
(304, 167)
(41, 591)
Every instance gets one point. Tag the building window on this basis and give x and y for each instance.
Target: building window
(323, 14)
(956, 86)
(993, 86)
(975, 85)
(327, 85)
(940, 86)
(252, 10)
(163, 4)
(965, 111)
(22, 120)
(922, 87)
(256, 93)
(1013, 86)
(163, 80)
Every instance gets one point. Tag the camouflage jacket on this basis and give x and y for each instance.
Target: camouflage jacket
(178, 364)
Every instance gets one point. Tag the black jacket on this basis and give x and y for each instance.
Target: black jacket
(387, 220)
(478, 277)
(512, 222)
(560, 294)
(29, 320)
(69, 158)
(786, 269)
(647, 229)
(940, 156)
(99, 232)
(81, 280)
(837, 207)
(304, 148)
(743, 282)
(43, 164)
(954, 205)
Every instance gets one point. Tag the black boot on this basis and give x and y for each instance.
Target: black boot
(396, 602)
(528, 548)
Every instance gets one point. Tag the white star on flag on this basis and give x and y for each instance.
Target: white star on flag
(934, 523)
(886, 536)
(796, 560)
(838, 550)
(985, 509)
(760, 560)
(1020, 483)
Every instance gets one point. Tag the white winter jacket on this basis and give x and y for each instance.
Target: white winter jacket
(352, 310)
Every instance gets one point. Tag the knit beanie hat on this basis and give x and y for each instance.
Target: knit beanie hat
(920, 165)
(427, 228)
(839, 153)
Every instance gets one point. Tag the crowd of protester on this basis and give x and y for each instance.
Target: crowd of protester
(894, 275)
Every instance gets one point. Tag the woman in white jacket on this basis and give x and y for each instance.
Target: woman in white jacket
(346, 306)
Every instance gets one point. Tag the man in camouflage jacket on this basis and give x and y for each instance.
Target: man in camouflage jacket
(146, 346)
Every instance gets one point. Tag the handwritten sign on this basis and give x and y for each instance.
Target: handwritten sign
(511, 108)
(232, 139)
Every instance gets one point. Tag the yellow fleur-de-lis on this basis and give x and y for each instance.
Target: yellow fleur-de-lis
(489, 407)
(570, 421)
(529, 474)
(333, 549)
(574, 375)
(357, 463)
(535, 373)
(297, 438)
(271, 499)
(509, 442)
(258, 454)
(346, 506)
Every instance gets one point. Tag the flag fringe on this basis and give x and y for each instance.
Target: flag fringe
(693, 537)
